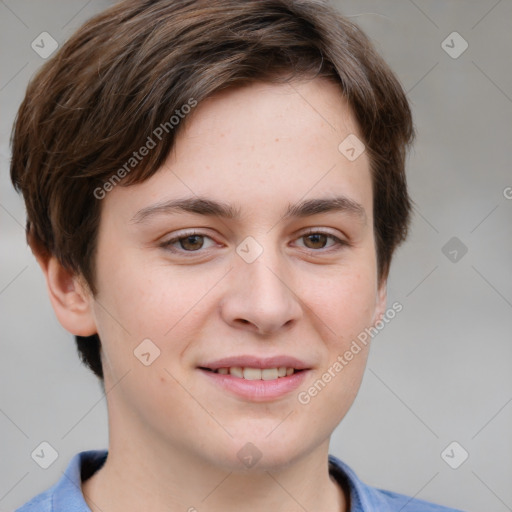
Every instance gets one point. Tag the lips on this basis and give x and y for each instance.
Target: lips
(249, 361)
(258, 379)
(263, 381)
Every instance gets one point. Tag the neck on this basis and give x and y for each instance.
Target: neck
(179, 481)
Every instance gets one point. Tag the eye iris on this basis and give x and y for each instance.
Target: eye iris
(315, 238)
(191, 238)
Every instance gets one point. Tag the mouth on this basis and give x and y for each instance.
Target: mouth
(256, 384)
(256, 378)
(249, 373)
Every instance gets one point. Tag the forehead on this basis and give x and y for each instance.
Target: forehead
(260, 144)
(267, 111)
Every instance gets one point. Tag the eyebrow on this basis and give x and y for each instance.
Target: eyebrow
(212, 208)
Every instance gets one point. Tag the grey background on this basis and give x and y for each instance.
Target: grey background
(439, 372)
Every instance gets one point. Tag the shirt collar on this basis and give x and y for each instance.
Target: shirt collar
(68, 495)
(360, 493)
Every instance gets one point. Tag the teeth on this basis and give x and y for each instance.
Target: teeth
(256, 373)
(236, 371)
(269, 373)
(252, 374)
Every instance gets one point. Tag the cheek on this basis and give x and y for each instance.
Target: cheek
(346, 304)
(141, 299)
(137, 292)
(346, 308)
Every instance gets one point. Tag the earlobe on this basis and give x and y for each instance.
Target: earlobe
(70, 297)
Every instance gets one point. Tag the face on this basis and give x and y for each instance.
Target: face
(274, 281)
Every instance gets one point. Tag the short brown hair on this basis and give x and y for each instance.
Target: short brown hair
(126, 72)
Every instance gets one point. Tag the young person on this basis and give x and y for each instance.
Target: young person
(214, 193)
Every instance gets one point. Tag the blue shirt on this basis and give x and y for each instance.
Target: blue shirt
(66, 495)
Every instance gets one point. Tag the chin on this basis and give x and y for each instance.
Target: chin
(259, 452)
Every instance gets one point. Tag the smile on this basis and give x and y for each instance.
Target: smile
(256, 384)
(255, 373)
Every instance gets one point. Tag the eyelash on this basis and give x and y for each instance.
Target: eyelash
(339, 244)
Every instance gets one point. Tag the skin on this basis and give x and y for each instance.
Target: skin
(174, 436)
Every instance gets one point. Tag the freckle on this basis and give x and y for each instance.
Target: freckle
(277, 140)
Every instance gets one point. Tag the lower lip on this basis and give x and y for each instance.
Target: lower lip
(257, 390)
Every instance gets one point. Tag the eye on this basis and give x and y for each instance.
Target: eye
(192, 242)
(187, 242)
(316, 240)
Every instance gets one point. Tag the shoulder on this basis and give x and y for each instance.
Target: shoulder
(395, 502)
(40, 503)
(66, 495)
(364, 498)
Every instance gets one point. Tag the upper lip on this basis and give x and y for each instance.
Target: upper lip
(248, 361)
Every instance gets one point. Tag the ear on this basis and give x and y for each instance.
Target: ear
(380, 305)
(70, 297)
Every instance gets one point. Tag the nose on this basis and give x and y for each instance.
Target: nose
(260, 296)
